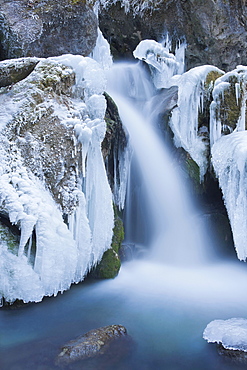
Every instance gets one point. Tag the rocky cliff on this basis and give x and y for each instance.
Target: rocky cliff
(215, 30)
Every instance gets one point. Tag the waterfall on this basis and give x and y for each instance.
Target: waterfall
(170, 227)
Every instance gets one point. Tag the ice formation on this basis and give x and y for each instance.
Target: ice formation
(164, 63)
(229, 158)
(184, 120)
(137, 6)
(101, 52)
(167, 70)
(229, 88)
(232, 333)
(60, 255)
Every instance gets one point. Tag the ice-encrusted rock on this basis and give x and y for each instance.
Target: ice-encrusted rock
(228, 108)
(52, 172)
(231, 333)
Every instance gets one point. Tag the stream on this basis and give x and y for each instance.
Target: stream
(165, 298)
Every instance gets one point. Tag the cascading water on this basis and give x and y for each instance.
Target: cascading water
(170, 219)
(165, 305)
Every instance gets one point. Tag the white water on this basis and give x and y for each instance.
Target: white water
(171, 218)
(164, 306)
(182, 268)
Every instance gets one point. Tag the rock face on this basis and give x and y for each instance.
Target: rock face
(215, 31)
(91, 344)
(46, 28)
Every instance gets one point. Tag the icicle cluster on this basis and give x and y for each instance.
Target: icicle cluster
(184, 120)
(136, 6)
(58, 255)
(164, 63)
(229, 158)
(227, 110)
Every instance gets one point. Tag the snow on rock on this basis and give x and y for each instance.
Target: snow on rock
(52, 125)
(165, 64)
(232, 333)
(227, 110)
(184, 120)
(229, 158)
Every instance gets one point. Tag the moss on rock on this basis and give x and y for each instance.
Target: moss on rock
(110, 264)
(9, 238)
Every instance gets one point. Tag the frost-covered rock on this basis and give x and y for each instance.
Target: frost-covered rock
(52, 126)
(232, 333)
(46, 28)
(12, 72)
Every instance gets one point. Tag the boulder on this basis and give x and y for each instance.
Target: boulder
(93, 343)
(46, 28)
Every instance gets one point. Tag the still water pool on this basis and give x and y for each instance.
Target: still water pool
(164, 308)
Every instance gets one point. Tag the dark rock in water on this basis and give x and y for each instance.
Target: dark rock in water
(235, 356)
(46, 28)
(93, 343)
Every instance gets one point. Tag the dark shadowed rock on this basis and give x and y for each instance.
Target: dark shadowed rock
(46, 28)
(235, 356)
(93, 343)
(215, 30)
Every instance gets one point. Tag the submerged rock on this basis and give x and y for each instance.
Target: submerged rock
(93, 343)
(236, 356)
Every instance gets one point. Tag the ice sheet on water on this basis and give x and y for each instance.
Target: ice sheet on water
(229, 158)
(232, 333)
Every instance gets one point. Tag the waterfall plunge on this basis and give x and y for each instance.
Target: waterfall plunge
(174, 232)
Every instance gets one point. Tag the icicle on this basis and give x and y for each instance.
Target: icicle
(27, 224)
(184, 118)
(229, 158)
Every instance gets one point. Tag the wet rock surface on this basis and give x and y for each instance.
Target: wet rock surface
(235, 356)
(93, 343)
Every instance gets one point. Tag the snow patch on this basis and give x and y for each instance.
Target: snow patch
(232, 333)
